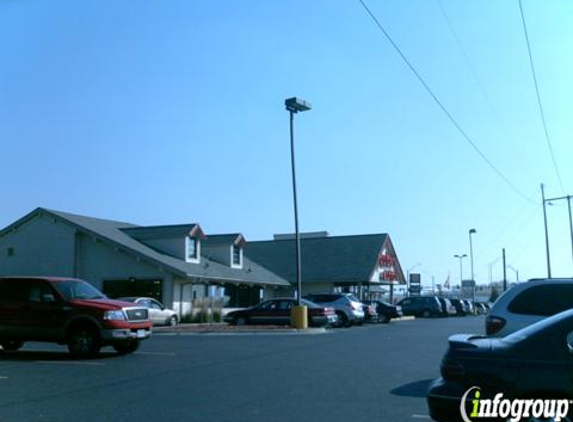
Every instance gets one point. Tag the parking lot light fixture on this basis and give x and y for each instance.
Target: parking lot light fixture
(295, 105)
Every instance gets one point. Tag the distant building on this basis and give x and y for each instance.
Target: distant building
(361, 264)
(184, 268)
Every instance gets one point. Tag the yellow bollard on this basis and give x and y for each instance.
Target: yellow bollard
(299, 317)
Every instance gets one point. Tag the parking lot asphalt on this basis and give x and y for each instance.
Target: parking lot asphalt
(370, 373)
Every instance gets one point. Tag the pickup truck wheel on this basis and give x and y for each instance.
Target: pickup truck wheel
(173, 321)
(11, 345)
(83, 343)
(128, 346)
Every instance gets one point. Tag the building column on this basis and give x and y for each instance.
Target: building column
(167, 290)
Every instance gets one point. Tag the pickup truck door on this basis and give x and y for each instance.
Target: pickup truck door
(44, 314)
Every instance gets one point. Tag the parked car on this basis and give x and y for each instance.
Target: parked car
(421, 306)
(527, 303)
(461, 306)
(470, 306)
(68, 311)
(532, 363)
(346, 305)
(448, 309)
(277, 312)
(159, 314)
(480, 308)
(386, 311)
(370, 313)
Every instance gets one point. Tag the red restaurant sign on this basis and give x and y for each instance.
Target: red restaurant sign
(388, 276)
(386, 260)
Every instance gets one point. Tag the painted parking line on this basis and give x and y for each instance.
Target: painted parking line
(49, 362)
(421, 416)
(2, 377)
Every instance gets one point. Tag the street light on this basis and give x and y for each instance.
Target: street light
(549, 201)
(472, 231)
(516, 273)
(461, 257)
(294, 105)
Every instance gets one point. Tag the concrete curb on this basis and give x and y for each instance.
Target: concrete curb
(404, 318)
(223, 329)
(274, 332)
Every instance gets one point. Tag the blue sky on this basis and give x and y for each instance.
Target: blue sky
(165, 112)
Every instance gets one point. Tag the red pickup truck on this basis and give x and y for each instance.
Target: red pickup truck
(68, 311)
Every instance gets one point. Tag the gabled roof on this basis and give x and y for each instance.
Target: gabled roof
(343, 259)
(162, 232)
(226, 239)
(115, 233)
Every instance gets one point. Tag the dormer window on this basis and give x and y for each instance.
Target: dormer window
(192, 249)
(237, 256)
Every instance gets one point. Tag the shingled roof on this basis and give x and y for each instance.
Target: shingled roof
(116, 234)
(336, 259)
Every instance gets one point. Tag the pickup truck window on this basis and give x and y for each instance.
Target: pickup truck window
(76, 289)
(14, 290)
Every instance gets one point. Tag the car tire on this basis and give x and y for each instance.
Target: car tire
(342, 319)
(173, 321)
(384, 319)
(84, 342)
(240, 320)
(128, 346)
(11, 345)
(426, 313)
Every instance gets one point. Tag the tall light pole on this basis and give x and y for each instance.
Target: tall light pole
(294, 105)
(472, 231)
(550, 201)
(461, 257)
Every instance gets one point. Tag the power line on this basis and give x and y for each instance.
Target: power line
(508, 225)
(539, 99)
(442, 107)
(525, 245)
(478, 81)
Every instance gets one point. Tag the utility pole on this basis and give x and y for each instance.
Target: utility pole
(546, 233)
(504, 271)
(570, 222)
(550, 200)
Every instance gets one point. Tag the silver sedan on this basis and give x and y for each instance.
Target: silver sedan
(159, 314)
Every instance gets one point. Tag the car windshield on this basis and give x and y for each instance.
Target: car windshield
(76, 289)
